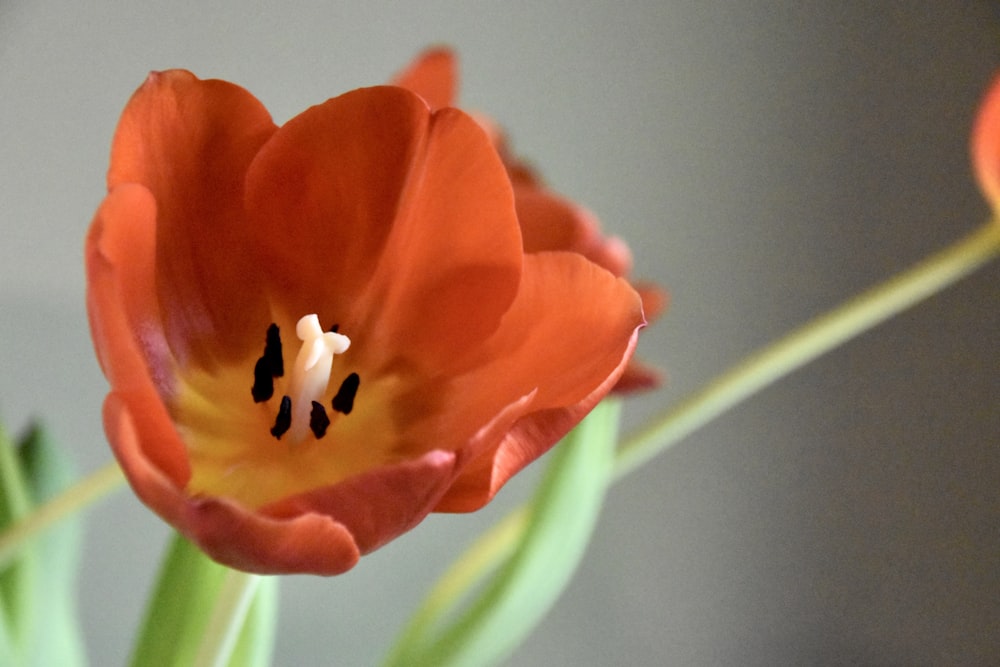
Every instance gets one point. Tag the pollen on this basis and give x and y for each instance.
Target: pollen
(284, 419)
(344, 400)
(318, 420)
(268, 367)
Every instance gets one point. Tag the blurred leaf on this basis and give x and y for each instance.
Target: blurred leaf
(181, 608)
(561, 519)
(18, 579)
(8, 654)
(57, 639)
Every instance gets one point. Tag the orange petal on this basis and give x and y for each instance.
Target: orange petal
(227, 532)
(252, 542)
(322, 197)
(549, 222)
(120, 254)
(986, 145)
(574, 327)
(654, 300)
(379, 505)
(568, 310)
(189, 142)
(419, 252)
(433, 75)
(124, 318)
(638, 377)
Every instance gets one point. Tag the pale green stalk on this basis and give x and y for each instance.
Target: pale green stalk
(227, 618)
(86, 491)
(815, 338)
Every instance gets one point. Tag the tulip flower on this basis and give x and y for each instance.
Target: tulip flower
(548, 221)
(986, 145)
(317, 334)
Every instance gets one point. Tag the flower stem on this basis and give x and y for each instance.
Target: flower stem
(810, 341)
(227, 619)
(483, 557)
(757, 371)
(86, 491)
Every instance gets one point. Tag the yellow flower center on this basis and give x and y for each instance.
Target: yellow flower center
(295, 423)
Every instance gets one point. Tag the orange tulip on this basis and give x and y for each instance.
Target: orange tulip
(317, 334)
(986, 146)
(548, 221)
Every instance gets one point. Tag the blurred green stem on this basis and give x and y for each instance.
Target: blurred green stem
(75, 498)
(227, 618)
(810, 341)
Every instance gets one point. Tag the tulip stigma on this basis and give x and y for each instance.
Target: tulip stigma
(310, 376)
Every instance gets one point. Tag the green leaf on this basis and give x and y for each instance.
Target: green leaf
(46, 469)
(560, 521)
(8, 652)
(37, 587)
(17, 580)
(57, 639)
(195, 598)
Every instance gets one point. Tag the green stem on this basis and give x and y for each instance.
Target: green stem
(86, 491)
(810, 341)
(494, 546)
(227, 618)
(736, 385)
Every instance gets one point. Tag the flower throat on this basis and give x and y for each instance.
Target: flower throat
(301, 409)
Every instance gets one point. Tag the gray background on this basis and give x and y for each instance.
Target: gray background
(766, 160)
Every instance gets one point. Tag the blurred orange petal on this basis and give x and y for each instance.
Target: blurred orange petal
(986, 145)
(433, 75)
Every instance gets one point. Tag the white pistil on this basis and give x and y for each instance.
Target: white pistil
(311, 372)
